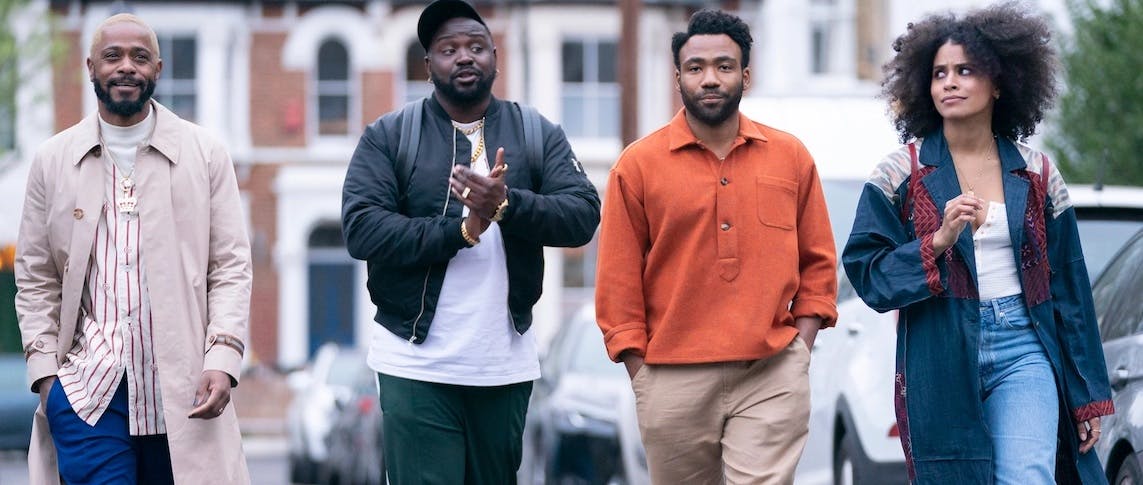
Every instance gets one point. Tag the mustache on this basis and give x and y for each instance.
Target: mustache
(125, 81)
(467, 70)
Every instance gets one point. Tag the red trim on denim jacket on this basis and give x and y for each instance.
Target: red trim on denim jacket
(929, 263)
(1091, 410)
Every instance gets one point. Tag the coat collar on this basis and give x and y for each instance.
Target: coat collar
(679, 133)
(943, 185)
(935, 152)
(164, 139)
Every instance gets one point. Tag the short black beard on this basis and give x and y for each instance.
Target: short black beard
(478, 93)
(125, 109)
(712, 117)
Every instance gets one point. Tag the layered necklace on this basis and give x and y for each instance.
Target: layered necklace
(479, 126)
(970, 184)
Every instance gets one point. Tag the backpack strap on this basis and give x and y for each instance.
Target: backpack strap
(533, 140)
(907, 204)
(409, 143)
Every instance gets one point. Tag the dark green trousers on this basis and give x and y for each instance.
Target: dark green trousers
(444, 434)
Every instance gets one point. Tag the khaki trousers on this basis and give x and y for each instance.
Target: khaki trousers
(745, 422)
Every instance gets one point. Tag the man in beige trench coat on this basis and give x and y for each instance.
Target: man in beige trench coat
(133, 275)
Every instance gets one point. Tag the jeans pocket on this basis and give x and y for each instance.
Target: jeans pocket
(1014, 318)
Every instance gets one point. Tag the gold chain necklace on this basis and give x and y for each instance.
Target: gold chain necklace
(127, 203)
(479, 144)
(979, 174)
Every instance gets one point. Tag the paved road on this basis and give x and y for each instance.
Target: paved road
(266, 459)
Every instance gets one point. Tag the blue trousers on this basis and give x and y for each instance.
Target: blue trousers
(105, 454)
(1021, 405)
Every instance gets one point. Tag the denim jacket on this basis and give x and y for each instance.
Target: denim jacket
(891, 261)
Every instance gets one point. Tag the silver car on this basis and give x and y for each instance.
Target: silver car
(1119, 308)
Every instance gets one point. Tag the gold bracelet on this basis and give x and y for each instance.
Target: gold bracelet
(472, 241)
(500, 209)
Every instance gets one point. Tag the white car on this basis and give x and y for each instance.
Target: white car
(317, 393)
(853, 433)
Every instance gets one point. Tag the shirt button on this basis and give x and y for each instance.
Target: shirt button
(725, 226)
(724, 181)
(40, 344)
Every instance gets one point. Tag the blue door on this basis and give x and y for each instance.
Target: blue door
(332, 289)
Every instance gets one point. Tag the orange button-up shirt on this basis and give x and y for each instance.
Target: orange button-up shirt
(708, 260)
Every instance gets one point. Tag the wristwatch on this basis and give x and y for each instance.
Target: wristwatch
(500, 209)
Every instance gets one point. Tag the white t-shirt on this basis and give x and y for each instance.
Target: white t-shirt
(471, 340)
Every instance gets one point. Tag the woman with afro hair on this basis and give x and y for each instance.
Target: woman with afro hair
(970, 234)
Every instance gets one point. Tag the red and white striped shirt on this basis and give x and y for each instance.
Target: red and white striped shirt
(115, 336)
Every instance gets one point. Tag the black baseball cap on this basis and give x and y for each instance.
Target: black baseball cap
(439, 12)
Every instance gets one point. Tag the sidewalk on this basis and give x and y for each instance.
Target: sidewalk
(260, 401)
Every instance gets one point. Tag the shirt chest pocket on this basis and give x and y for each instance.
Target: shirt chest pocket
(777, 202)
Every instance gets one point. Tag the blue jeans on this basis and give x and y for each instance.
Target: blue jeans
(1021, 406)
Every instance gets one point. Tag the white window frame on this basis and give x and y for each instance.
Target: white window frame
(320, 88)
(411, 89)
(168, 86)
(591, 91)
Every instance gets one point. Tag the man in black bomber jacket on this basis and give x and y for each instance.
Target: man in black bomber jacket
(454, 242)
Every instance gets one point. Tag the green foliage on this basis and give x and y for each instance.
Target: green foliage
(8, 74)
(1098, 131)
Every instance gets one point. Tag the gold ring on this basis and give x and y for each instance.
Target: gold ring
(467, 190)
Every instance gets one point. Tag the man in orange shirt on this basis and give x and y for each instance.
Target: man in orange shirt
(717, 269)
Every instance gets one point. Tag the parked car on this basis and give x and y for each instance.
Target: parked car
(581, 426)
(1119, 309)
(309, 418)
(853, 433)
(17, 403)
(355, 443)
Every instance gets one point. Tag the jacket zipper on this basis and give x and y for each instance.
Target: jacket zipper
(428, 272)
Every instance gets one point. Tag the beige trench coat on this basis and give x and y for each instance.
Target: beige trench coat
(198, 272)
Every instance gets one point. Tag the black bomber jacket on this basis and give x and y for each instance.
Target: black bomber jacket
(407, 239)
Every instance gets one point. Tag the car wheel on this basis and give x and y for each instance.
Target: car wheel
(1130, 473)
(302, 471)
(846, 469)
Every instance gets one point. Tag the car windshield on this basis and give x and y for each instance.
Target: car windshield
(590, 355)
(1102, 238)
(841, 198)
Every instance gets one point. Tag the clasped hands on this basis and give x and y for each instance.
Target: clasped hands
(481, 194)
